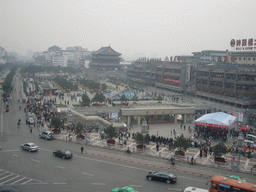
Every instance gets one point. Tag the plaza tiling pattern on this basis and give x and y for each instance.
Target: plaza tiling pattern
(163, 152)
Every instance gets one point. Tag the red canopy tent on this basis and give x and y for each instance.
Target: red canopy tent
(243, 128)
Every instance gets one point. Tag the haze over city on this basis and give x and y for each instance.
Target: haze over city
(134, 28)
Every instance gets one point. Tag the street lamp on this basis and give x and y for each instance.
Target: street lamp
(144, 131)
(240, 144)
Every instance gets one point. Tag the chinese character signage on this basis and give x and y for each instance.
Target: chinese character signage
(243, 44)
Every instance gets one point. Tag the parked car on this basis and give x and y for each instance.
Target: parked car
(221, 160)
(47, 135)
(80, 137)
(124, 189)
(29, 147)
(65, 154)
(31, 120)
(162, 176)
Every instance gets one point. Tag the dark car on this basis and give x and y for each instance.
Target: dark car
(65, 154)
(80, 137)
(162, 176)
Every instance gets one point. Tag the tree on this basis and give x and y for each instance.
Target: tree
(181, 142)
(111, 132)
(85, 99)
(56, 122)
(98, 97)
(139, 138)
(123, 98)
(79, 128)
(219, 149)
(104, 86)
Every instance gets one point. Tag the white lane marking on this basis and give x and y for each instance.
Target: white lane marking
(9, 150)
(59, 183)
(15, 155)
(9, 180)
(26, 181)
(87, 174)
(3, 173)
(121, 165)
(6, 176)
(18, 180)
(98, 183)
(136, 185)
(35, 160)
(174, 189)
(61, 167)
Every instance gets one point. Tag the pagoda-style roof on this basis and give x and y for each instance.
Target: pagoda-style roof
(106, 51)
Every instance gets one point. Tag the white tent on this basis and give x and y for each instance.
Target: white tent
(219, 119)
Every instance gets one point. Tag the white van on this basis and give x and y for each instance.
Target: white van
(194, 189)
(251, 135)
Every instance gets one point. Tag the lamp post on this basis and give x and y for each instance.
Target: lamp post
(144, 131)
(240, 144)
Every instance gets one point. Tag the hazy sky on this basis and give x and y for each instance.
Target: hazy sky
(152, 28)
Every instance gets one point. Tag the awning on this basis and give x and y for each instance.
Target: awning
(219, 119)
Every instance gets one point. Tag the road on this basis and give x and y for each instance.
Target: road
(41, 171)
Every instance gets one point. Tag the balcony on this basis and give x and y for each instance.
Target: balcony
(219, 79)
(202, 77)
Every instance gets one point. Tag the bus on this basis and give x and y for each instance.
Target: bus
(225, 184)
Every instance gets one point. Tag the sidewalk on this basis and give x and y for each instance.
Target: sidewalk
(93, 139)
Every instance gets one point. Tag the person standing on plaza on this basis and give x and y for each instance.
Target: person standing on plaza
(157, 147)
(82, 149)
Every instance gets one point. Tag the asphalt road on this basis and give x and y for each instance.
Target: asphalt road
(41, 171)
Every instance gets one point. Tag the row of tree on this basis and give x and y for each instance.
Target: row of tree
(51, 69)
(63, 82)
(93, 84)
(98, 97)
(7, 84)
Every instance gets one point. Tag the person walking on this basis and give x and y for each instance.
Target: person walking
(192, 160)
(82, 149)
(30, 129)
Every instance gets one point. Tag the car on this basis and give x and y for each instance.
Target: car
(191, 189)
(31, 120)
(47, 135)
(80, 137)
(236, 177)
(124, 189)
(162, 176)
(29, 147)
(65, 154)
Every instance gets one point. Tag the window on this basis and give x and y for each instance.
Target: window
(244, 58)
(254, 59)
(215, 186)
(239, 58)
(249, 59)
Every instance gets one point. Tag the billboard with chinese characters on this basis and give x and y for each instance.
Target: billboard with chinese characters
(243, 44)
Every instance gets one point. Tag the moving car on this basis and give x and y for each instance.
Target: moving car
(162, 176)
(124, 189)
(46, 135)
(65, 154)
(29, 147)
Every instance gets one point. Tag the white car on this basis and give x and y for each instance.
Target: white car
(29, 147)
(31, 120)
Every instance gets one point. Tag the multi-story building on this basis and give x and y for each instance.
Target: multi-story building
(230, 84)
(244, 57)
(170, 75)
(69, 57)
(105, 59)
(211, 55)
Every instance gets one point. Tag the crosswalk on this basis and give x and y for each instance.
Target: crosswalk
(8, 178)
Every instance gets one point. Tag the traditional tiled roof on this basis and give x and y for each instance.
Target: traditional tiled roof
(106, 51)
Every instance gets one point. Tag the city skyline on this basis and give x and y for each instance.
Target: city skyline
(135, 29)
